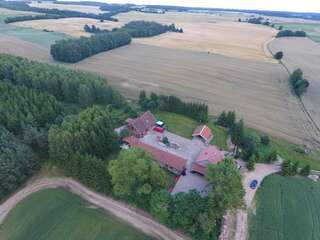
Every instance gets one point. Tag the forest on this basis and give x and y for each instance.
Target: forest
(74, 50)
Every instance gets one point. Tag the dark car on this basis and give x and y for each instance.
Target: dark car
(254, 184)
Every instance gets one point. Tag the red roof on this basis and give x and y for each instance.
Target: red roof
(208, 155)
(204, 132)
(142, 123)
(161, 156)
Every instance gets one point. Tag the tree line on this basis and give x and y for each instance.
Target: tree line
(148, 29)
(289, 33)
(30, 18)
(74, 50)
(298, 83)
(197, 111)
(23, 6)
(93, 29)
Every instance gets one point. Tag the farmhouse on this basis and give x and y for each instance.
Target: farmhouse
(204, 132)
(141, 125)
(208, 154)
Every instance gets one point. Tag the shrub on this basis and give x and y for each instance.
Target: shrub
(278, 55)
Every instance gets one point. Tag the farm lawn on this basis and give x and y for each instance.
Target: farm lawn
(288, 208)
(184, 126)
(57, 214)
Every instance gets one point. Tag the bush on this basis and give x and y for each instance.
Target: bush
(278, 55)
(265, 140)
(298, 83)
(305, 171)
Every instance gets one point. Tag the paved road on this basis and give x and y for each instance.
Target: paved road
(129, 214)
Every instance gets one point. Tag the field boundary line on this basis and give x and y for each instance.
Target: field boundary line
(131, 215)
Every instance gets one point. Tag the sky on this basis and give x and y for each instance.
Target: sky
(277, 5)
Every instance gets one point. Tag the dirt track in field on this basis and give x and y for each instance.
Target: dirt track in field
(129, 214)
(305, 54)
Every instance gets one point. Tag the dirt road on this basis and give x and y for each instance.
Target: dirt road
(122, 211)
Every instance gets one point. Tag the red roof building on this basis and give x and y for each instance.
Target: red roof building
(204, 132)
(141, 125)
(208, 155)
(168, 160)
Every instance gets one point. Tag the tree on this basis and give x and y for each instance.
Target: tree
(298, 83)
(251, 163)
(160, 205)
(305, 171)
(227, 191)
(222, 119)
(135, 176)
(237, 133)
(278, 55)
(294, 168)
(265, 140)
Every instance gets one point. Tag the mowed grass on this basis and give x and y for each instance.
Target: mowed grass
(57, 214)
(288, 208)
(184, 126)
(312, 29)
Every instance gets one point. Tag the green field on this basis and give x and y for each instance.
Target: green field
(42, 38)
(56, 214)
(185, 126)
(312, 29)
(288, 208)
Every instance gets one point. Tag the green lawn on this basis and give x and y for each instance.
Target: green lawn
(184, 126)
(312, 29)
(42, 38)
(56, 214)
(288, 208)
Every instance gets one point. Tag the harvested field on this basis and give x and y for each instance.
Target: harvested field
(70, 26)
(222, 35)
(18, 47)
(257, 91)
(305, 54)
(79, 8)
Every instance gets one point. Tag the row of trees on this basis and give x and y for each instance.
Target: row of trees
(30, 18)
(148, 29)
(298, 83)
(197, 111)
(289, 33)
(93, 29)
(23, 6)
(69, 86)
(136, 178)
(74, 50)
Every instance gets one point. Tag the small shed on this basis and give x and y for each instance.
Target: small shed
(204, 132)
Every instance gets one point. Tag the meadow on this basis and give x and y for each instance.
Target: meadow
(70, 218)
(287, 208)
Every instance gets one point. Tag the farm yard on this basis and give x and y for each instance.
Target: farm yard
(286, 208)
(306, 57)
(72, 218)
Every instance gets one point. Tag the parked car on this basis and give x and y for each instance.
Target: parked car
(254, 184)
(158, 129)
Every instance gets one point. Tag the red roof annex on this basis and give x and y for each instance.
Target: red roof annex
(164, 158)
(204, 132)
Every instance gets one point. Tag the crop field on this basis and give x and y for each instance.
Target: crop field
(73, 7)
(34, 36)
(57, 214)
(257, 91)
(288, 208)
(223, 34)
(312, 29)
(71, 26)
(305, 54)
